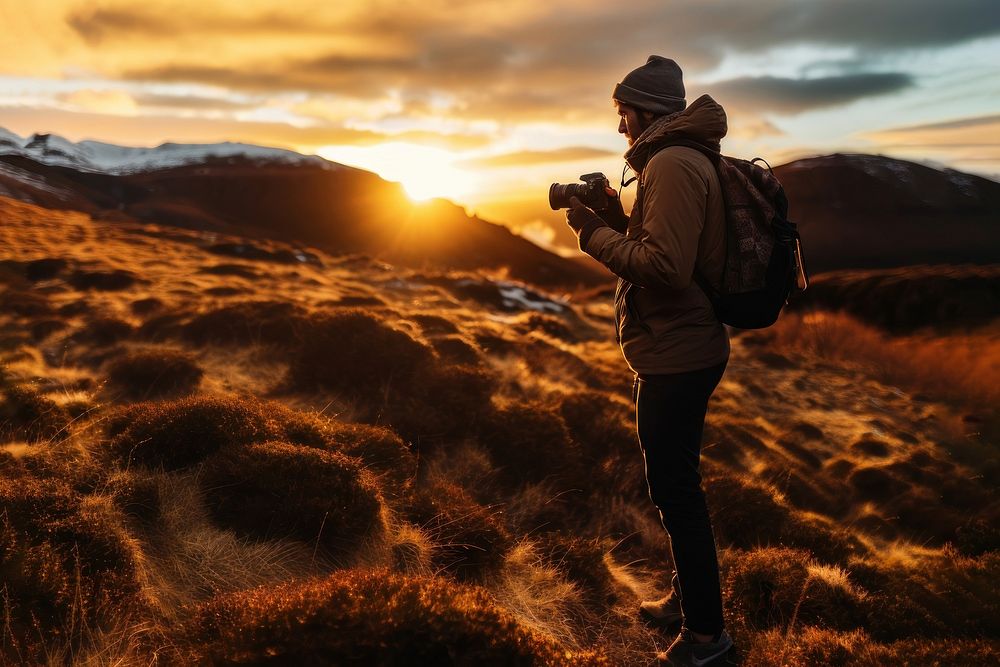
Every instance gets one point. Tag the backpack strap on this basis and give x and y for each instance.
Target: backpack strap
(714, 157)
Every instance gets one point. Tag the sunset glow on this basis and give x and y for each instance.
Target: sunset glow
(487, 104)
(425, 172)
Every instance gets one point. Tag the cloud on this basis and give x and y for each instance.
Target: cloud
(529, 158)
(117, 102)
(192, 102)
(956, 124)
(768, 93)
(150, 130)
(555, 56)
(754, 128)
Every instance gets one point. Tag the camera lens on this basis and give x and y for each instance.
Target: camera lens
(559, 194)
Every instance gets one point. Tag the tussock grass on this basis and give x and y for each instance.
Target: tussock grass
(275, 489)
(370, 617)
(855, 648)
(357, 354)
(781, 587)
(43, 328)
(181, 433)
(25, 414)
(24, 302)
(531, 443)
(491, 505)
(411, 550)
(103, 331)
(471, 539)
(936, 594)
(146, 306)
(747, 515)
(68, 566)
(277, 323)
(538, 595)
(178, 434)
(960, 367)
(393, 378)
(154, 373)
(104, 281)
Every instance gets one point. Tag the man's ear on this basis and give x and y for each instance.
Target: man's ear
(648, 116)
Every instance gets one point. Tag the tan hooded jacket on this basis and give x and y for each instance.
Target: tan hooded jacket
(665, 321)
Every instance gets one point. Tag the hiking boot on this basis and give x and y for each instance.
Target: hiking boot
(663, 613)
(666, 611)
(686, 651)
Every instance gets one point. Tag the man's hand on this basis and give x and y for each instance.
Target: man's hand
(582, 220)
(614, 215)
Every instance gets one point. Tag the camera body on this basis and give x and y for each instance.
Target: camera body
(590, 192)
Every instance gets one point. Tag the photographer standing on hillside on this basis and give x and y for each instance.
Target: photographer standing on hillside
(668, 331)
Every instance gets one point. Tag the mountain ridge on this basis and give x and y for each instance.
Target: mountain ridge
(855, 211)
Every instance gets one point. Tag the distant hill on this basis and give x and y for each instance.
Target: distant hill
(854, 211)
(273, 194)
(903, 300)
(866, 211)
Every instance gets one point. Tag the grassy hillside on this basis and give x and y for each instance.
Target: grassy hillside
(213, 459)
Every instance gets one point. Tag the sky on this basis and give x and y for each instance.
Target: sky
(488, 102)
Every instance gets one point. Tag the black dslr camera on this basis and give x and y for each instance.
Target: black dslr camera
(590, 192)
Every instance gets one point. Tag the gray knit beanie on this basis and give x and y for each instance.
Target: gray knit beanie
(657, 86)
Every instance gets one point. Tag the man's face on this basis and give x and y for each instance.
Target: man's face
(631, 122)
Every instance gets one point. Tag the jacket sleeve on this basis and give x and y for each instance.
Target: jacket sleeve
(663, 253)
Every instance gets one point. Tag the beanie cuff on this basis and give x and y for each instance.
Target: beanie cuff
(658, 104)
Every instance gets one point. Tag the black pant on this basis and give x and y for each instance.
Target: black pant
(670, 416)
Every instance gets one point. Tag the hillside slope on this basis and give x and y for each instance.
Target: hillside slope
(217, 458)
(866, 211)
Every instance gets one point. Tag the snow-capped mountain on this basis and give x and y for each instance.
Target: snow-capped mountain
(54, 150)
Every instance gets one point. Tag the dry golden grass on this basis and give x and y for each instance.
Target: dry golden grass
(385, 452)
(964, 367)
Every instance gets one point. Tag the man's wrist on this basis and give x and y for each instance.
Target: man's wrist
(587, 230)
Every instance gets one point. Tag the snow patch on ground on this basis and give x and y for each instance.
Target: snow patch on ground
(516, 296)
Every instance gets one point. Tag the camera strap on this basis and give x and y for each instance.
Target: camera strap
(624, 183)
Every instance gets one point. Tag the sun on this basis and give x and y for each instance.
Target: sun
(425, 172)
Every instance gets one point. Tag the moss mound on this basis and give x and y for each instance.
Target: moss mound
(747, 515)
(367, 617)
(103, 331)
(601, 426)
(184, 432)
(45, 268)
(275, 489)
(104, 281)
(531, 443)
(445, 401)
(146, 306)
(358, 355)
(43, 328)
(248, 322)
(27, 415)
(381, 451)
(772, 587)
(24, 302)
(145, 374)
(66, 567)
(393, 378)
(471, 538)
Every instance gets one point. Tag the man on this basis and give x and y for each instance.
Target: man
(673, 242)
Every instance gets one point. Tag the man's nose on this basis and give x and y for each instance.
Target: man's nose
(622, 128)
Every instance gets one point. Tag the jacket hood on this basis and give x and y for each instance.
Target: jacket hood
(704, 121)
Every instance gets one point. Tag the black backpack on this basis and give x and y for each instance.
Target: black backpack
(764, 262)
